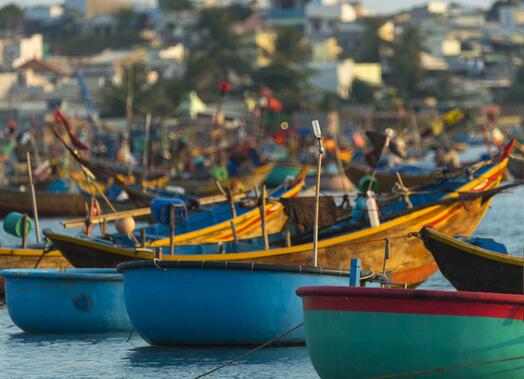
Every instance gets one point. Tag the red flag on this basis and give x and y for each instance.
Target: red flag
(224, 88)
(61, 120)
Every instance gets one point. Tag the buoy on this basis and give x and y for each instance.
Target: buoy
(14, 224)
(125, 225)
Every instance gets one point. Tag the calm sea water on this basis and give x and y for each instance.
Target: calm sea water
(110, 356)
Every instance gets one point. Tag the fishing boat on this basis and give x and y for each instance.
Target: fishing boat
(218, 303)
(281, 171)
(475, 266)
(50, 204)
(214, 225)
(66, 301)
(456, 206)
(241, 182)
(516, 166)
(386, 333)
(387, 178)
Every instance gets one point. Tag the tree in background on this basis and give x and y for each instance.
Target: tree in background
(114, 96)
(175, 5)
(493, 13)
(515, 93)
(408, 73)
(11, 18)
(126, 33)
(371, 43)
(219, 53)
(362, 92)
(287, 74)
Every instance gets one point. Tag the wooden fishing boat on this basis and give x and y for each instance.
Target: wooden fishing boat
(218, 303)
(66, 301)
(473, 268)
(50, 204)
(383, 333)
(239, 183)
(332, 183)
(516, 166)
(281, 171)
(458, 213)
(213, 226)
(387, 179)
(18, 257)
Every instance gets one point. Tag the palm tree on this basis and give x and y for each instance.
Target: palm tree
(287, 74)
(406, 62)
(218, 54)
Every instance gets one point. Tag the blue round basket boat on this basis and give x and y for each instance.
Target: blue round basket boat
(218, 303)
(66, 301)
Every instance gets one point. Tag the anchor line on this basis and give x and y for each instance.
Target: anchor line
(232, 361)
(447, 368)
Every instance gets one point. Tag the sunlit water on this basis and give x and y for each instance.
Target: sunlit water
(112, 356)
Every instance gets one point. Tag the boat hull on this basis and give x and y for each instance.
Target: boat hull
(386, 180)
(282, 172)
(516, 166)
(240, 183)
(49, 204)
(216, 303)
(13, 257)
(471, 268)
(71, 301)
(366, 333)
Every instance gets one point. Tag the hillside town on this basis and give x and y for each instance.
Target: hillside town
(93, 57)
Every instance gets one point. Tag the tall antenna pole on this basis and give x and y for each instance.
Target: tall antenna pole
(318, 135)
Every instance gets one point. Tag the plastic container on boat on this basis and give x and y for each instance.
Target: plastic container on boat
(218, 303)
(14, 224)
(161, 210)
(67, 301)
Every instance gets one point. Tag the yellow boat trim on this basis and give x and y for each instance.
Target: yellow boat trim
(21, 252)
(475, 250)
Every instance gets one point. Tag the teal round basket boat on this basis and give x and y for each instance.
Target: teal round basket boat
(218, 303)
(67, 301)
(390, 333)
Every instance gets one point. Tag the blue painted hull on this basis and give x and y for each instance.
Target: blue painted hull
(212, 305)
(68, 301)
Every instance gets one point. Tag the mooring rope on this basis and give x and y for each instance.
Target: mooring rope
(448, 368)
(232, 361)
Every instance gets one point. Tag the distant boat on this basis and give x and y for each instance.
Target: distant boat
(387, 178)
(50, 204)
(516, 166)
(207, 186)
(390, 333)
(218, 303)
(282, 171)
(474, 268)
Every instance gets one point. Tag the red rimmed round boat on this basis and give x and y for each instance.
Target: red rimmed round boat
(389, 333)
